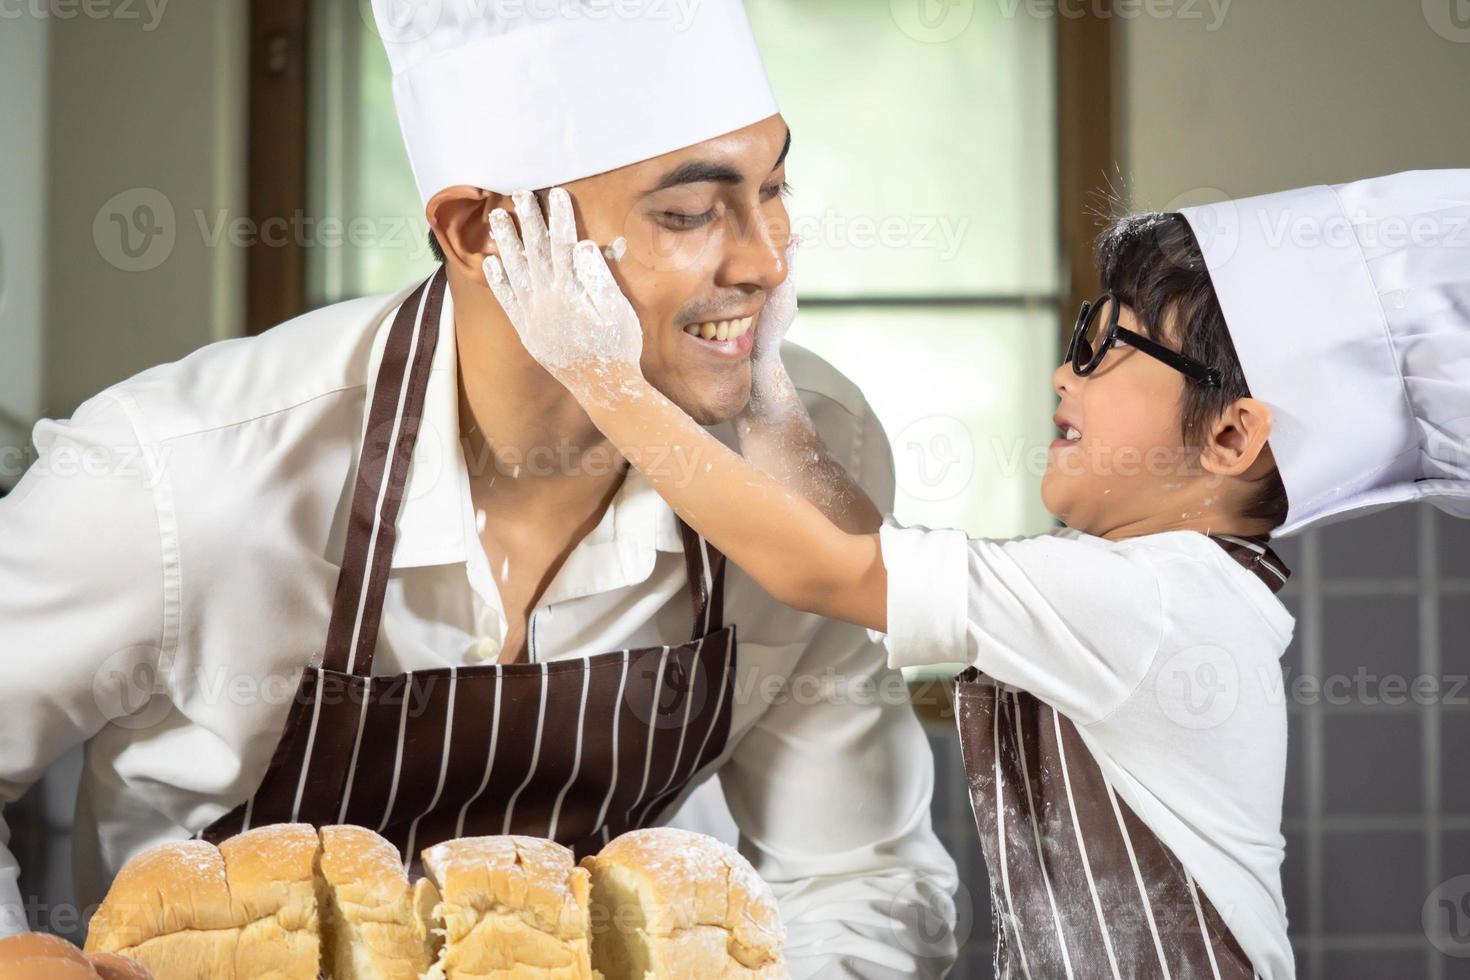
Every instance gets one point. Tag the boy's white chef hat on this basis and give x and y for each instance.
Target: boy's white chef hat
(511, 94)
(1349, 307)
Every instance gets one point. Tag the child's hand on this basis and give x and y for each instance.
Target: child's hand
(770, 388)
(561, 297)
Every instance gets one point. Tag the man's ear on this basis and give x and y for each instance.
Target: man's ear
(1236, 445)
(459, 217)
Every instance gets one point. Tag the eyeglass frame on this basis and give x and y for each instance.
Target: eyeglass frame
(1188, 366)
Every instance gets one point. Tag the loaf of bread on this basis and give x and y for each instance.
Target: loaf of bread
(508, 908)
(669, 904)
(288, 902)
(190, 911)
(374, 924)
(36, 956)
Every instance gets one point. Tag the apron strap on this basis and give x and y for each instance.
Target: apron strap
(1256, 555)
(706, 568)
(382, 472)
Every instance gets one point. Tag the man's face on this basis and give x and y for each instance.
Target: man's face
(707, 231)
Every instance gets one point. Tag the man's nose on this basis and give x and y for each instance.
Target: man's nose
(756, 254)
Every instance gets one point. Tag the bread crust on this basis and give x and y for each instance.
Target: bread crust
(370, 926)
(510, 907)
(188, 910)
(683, 904)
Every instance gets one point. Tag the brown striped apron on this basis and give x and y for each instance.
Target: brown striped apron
(577, 751)
(1080, 888)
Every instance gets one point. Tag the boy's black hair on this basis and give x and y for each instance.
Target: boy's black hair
(434, 248)
(1153, 264)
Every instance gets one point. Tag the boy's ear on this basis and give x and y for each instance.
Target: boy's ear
(1236, 445)
(460, 217)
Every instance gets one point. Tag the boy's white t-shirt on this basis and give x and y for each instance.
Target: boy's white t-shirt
(1163, 651)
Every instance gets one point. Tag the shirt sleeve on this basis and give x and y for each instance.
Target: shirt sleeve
(831, 791)
(1073, 619)
(81, 602)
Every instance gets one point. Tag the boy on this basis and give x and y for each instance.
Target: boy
(1125, 749)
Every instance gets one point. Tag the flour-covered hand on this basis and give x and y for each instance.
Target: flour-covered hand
(560, 295)
(771, 389)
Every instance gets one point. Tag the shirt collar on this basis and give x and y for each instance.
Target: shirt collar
(436, 523)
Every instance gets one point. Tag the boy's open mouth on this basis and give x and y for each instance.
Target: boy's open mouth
(1070, 433)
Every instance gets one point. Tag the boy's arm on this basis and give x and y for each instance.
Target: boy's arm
(575, 321)
(782, 540)
(776, 433)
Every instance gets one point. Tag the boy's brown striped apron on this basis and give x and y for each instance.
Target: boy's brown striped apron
(574, 750)
(1079, 886)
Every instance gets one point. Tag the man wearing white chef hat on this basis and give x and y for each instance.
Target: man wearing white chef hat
(390, 488)
(1349, 307)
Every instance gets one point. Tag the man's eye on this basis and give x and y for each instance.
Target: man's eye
(685, 222)
(783, 189)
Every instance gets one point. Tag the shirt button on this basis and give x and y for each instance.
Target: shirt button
(486, 648)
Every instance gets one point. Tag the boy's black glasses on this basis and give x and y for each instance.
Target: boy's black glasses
(1091, 340)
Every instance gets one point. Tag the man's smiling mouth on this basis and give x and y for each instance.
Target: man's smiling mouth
(721, 329)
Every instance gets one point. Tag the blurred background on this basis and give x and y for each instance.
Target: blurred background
(178, 174)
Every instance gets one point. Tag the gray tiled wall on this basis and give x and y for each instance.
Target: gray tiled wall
(1378, 793)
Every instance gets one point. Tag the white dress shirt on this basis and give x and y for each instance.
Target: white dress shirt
(167, 567)
(1163, 651)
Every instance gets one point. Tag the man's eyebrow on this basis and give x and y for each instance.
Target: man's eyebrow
(697, 172)
(701, 171)
(784, 150)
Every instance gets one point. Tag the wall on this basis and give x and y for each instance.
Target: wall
(1282, 93)
(25, 53)
(136, 137)
(97, 128)
(1288, 92)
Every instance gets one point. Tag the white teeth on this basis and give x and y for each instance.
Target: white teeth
(1073, 433)
(718, 330)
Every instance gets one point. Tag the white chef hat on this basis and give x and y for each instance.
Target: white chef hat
(1349, 307)
(511, 94)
